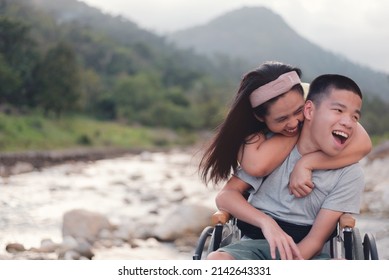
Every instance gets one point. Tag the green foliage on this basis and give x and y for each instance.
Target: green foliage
(62, 57)
(165, 114)
(92, 90)
(17, 59)
(135, 94)
(57, 81)
(9, 80)
(375, 116)
(138, 80)
(37, 133)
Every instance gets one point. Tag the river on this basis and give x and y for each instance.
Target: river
(32, 204)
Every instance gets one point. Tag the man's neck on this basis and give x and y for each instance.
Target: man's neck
(305, 144)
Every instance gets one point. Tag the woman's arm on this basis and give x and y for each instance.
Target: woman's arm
(358, 148)
(260, 156)
(301, 178)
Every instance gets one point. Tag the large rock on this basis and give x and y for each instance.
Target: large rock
(376, 196)
(181, 220)
(379, 152)
(83, 224)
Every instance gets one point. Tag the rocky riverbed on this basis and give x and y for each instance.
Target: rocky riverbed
(150, 205)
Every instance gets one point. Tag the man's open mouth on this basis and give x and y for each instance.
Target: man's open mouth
(340, 136)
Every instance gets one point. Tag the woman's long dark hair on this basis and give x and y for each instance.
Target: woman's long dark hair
(221, 157)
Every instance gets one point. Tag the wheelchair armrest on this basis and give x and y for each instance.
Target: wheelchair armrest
(347, 221)
(220, 217)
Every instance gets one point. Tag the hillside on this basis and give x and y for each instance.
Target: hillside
(256, 34)
(61, 58)
(73, 20)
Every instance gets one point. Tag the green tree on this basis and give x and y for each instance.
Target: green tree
(58, 81)
(375, 116)
(167, 114)
(9, 82)
(134, 94)
(18, 57)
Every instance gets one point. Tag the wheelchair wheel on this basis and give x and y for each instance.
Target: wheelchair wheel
(207, 232)
(370, 247)
(222, 236)
(357, 246)
(216, 238)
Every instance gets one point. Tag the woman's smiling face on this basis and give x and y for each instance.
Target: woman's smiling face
(286, 114)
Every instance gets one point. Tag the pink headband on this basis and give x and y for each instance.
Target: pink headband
(275, 88)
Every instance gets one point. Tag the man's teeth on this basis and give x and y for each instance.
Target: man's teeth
(340, 133)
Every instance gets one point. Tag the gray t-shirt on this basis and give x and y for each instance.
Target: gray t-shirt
(338, 189)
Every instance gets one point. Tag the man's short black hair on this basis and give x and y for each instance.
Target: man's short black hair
(322, 86)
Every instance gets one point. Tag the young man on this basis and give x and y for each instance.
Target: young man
(280, 225)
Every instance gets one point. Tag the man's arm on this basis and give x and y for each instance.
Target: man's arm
(231, 199)
(345, 197)
(325, 223)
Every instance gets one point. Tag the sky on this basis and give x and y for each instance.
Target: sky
(355, 29)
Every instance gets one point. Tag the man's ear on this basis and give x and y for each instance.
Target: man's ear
(309, 109)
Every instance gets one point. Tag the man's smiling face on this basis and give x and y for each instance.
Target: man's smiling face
(334, 121)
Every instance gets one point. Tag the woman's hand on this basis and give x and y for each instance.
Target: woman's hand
(279, 240)
(300, 180)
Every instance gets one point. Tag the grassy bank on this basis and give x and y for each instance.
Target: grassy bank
(26, 133)
(34, 133)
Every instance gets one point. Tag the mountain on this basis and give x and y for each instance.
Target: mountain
(51, 50)
(127, 74)
(74, 21)
(72, 11)
(252, 35)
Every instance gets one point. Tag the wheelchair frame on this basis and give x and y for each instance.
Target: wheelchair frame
(347, 244)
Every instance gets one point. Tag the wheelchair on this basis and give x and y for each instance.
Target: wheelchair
(345, 243)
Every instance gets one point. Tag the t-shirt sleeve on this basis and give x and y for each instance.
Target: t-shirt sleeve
(254, 182)
(346, 195)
